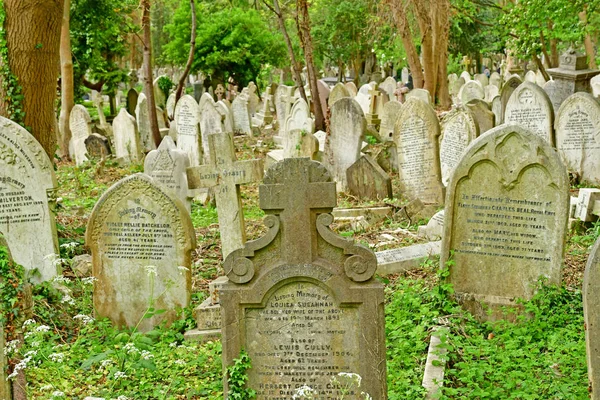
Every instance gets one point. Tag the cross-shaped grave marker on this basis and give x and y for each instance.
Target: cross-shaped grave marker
(372, 117)
(293, 198)
(226, 175)
(220, 91)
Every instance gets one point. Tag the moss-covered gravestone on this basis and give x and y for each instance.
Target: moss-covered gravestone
(141, 238)
(505, 219)
(591, 312)
(301, 300)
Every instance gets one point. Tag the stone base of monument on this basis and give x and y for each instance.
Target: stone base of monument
(208, 314)
(433, 377)
(403, 259)
(273, 157)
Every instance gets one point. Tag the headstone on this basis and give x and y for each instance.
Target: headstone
(132, 100)
(482, 79)
(389, 85)
(466, 76)
(27, 199)
(572, 75)
(188, 129)
(490, 91)
(211, 122)
(301, 300)
(459, 129)
(496, 80)
(505, 219)
(578, 136)
(347, 129)
(530, 76)
(159, 96)
(368, 181)
(421, 94)
(416, 135)
(363, 97)
(552, 90)
(497, 110)
(396, 261)
(224, 108)
(252, 98)
(480, 110)
(390, 113)
(530, 107)
(434, 228)
(241, 115)
(167, 166)
(128, 144)
(352, 89)
(324, 93)
(539, 78)
(591, 313)
(404, 75)
(507, 90)
(220, 92)
(142, 118)
(171, 106)
(141, 239)
(471, 90)
(97, 146)
(300, 143)
(455, 89)
(595, 83)
(81, 127)
(339, 91)
(225, 175)
(283, 105)
(299, 118)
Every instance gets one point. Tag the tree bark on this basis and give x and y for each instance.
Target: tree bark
(33, 40)
(303, 21)
(296, 67)
(590, 50)
(399, 12)
(148, 87)
(190, 59)
(424, 19)
(441, 35)
(67, 85)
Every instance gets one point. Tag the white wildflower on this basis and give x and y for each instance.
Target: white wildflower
(182, 269)
(46, 387)
(68, 300)
(174, 344)
(131, 349)
(151, 270)
(86, 319)
(89, 280)
(180, 362)
(120, 375)
(58, 261)
(31, 353)
(51, 256)
(121, 397)
(35, 344)
(57, 357)
(42, 328)
(146, 355)
(352, 377)
(304, 392)
(61, 279)
(20, 366)
(58, 393)
(70, 245)
(105, 363)
(11, 347)
(28, 322)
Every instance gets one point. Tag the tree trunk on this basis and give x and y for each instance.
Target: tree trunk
(303, 22)
(148, 87)
(553, 62)
(188, 65)
(33, 40)
(66, 83)
(296, 67)
(422, 10)
(590, 48)
(414, 63)
(541, 67)
(441, 34)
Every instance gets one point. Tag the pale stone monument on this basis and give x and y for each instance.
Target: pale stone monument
(471, 90)
(241, 115)
(507, 90)
(128, 145)
(81, 127)
(347, 129)
(298, 118)
(578, 136)
(211, 121)
(572, 75)
(389, 115)
(142, 118)
(591, 312)
(300, 143)
(301, 300)
(141, 239)
(27, 201)
(530, 107)
(416, 135)
(480, 110)
(187, 115)
(167, 165)
(368, 181)
(420, 94)
(505, 219)
(225, 175)
(459, 129)
(132, 100)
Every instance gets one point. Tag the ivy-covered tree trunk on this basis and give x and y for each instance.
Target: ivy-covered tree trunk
(148, 87)
(32, 30)
(303, 21)
(67, 86)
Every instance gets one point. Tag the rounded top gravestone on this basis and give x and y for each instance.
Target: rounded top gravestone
(459, 128)
(530, 107)
(591, 312)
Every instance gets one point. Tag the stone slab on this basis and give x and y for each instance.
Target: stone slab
(402, 259)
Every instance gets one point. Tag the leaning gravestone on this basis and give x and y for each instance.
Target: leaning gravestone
(482, 114)
(530, 107)
(128, 144)
(368, 181)
(578, 136)
(301, 300)
(505, 219)
(339, 91)
(347, 129)
(507, 90)
(241, 115)
(81, 127)
(132, 100)
(211, 122)
(300, 143)
(167, 165)
(27, 195)
(225, 175)
(141, 239)
(188, 129)
(142, 118)
(471, 90)
(459, 129)
(390, 113)
(97, 146)
(591, 312)
(283, 105)
(416, 136)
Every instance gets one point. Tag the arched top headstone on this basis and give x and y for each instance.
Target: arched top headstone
(459, 129)
(530, 107)
(339, 91)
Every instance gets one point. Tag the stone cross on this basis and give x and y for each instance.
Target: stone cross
(220, 91)
(226, 175)
(372, 118)
(294, 201)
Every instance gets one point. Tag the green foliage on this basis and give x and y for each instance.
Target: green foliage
(12, 291)
(230, 43)
(99, 30)
(165, 84)
(237, 377)
(204, 216)
(13, 92)
(474, 29)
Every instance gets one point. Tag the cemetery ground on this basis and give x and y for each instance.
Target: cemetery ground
(69, 354)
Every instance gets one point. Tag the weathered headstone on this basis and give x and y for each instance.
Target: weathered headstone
(224, 108)
(497, 110)
(507, 89)
(302, 300)
(530, 77)
(530, 107)
(283, 105)
(390, 113)
(132, 100)
(416, 136)
(404, 74)
(299, 118)
(578, 136)
(211, 122)
(434, 228)
(141, 239)
(188, 129)
(170, 107)
(128, 144)
(421, 94)
(324, 93)
(300, 143)
(339, 91)
(352, 89)
(363, 97)
(482, 79)
(466, 76)
(591, 312)
(241, 115)
(572, 75)
(480, 110)
(142, 118)
(97, 146)
(225, 175)
(389, 85)
(167, 166)
(81, 127)
(368, 181)
(459, 129)
(496, 80)
(27, 196)
(505, 219)
(552, 90)
(347, 129)
(160, 97)
(490, 91)
(471, 90)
